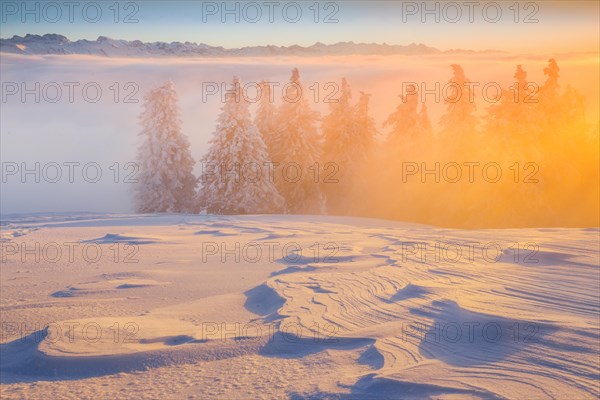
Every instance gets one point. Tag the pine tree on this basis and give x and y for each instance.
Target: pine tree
(408, 123)
(166, 182)
(550, 101)
(425, 122)
(570, 148)
(348, 140)
(410, 141)
(338, 129)
(459, 120)
(457, 142)
(551, 85)
(237, 178)
(365, 124)
(296, 150)
(515, 114)
(266, 114)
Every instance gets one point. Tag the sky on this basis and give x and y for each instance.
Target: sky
(534, 27)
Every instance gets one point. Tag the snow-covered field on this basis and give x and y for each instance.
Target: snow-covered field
(210, 307)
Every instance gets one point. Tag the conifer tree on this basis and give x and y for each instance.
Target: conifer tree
(237, 178)
(296, 151)
(409, 141)
(166, 182)
(408, 122)
(348, 140)
(515, 114)
(266, 114)
(459, 120)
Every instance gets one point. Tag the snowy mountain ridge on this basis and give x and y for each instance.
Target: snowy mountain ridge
(104, 46)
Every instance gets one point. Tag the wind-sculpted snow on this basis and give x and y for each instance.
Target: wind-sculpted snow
(356, 308)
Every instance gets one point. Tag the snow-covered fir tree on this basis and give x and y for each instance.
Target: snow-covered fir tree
(348, 133)
(237, 177)
(551, 103)
(409, 124)
(166, 182)
(459, 118)
(457, 141)
(266, 114)
(339, 129)
(425, 122)
(296, 149)
(365, 125)
(551, 85)
(410, 140)
(515, 114)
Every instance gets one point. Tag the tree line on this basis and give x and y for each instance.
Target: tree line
(286, 158)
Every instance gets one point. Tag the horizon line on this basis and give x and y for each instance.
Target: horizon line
(318, 43)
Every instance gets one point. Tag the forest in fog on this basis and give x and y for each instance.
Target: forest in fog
(530, 160)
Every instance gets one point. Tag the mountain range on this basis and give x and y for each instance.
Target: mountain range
(104, 46)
